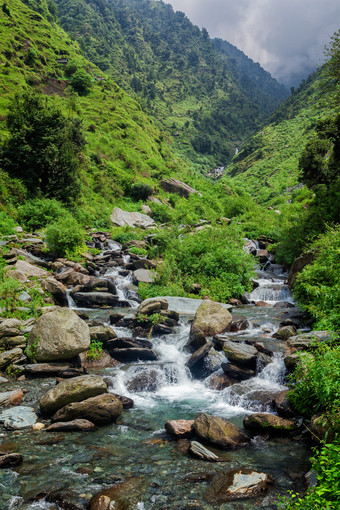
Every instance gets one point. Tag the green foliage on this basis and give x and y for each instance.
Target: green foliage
(317, 386)
(213, 258)
(320, 161)
(40, 212)
(140, 191)
(31, 351)
(125, 234)
(9, 292)
(317, 288)
(43, 147)
(81, 82)
(7, 224)
(95, 350)
(65, 237)
(326, 495)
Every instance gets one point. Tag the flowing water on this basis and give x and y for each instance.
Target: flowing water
(77, 465)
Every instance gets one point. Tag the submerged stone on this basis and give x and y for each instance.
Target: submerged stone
(238, 484)
(18, 417)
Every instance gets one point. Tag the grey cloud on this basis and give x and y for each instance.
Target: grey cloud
(287, 37)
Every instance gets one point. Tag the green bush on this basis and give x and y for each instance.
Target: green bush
(7, 224)
(140, 191)
(317, 287)
(40, 212)
(317, 383)
(81, 82)
(65, 237)
(95, 350)
(326, 494)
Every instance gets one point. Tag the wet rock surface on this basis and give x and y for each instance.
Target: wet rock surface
(219, 432)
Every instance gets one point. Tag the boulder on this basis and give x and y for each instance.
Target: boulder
(180, 429)
(12, 397)
(95, 299)
(78, 425)
(121, 496)
(45, 369)
(178, 187)
(294, 359)
(309, 340)
(19, 417)
(237, 373)
(9, 460)
(100, 410)
(144, 379)
(238, 484)
(266, 423)
(10, 327)
(133, 354)
(241, 354)
(298, 265)
(283, 406)
(321, 428)
(210, 319)
(122, 218)
(29, 270)
(72, 390)
(219, 381)
(285, 332)
(58, 335)
(72, 277)
(8, 357)
(57, 289)
(150, 306)
(198, 450)
(219, 432)
(102, 333)
(200, 354)
(144, 276)
(13, 341)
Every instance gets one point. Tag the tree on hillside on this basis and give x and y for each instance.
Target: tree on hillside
(43, 147)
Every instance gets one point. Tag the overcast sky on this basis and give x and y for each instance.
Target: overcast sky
(287, 37)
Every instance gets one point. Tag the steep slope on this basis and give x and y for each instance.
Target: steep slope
(268, 163)
(256, 83)
(123, 144)
(172, 66)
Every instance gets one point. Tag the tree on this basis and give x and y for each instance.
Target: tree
(81, 82)
(43, 147)
(320, 160)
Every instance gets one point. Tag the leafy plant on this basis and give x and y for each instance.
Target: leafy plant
(7, 224)
(95, 350)
(65, 237)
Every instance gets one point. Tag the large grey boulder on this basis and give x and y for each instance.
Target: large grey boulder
(19, 417)
(178, 187)
(241, 353)
(57, 289)
(219, 432)
(210, 319)
(95, 299)
(72, 390)
(151, 306)
(28, 269)
(100, 410)
(122, 218)
(58, 335)
(143, 276)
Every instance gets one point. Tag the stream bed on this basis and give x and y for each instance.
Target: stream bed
(64, 470)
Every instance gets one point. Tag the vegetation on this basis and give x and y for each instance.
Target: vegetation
(65, 237)
(95, 350)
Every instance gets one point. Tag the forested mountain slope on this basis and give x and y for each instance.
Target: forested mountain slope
(122, 144)
(268, 163)
(172, 66)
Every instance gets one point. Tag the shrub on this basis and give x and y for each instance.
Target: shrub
(140, 191)
(81, 82)
(95, 350)
(39, 212)
(7, 224)
(317, 287)
(65, 237)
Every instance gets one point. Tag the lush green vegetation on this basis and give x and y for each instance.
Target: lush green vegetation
(160, 57)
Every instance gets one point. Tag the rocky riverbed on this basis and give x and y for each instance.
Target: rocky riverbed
(185, 408)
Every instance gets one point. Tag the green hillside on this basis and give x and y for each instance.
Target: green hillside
(268, 163)
(123, 144)
(173, 68)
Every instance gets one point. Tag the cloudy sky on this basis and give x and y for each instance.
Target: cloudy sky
(287, 37)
